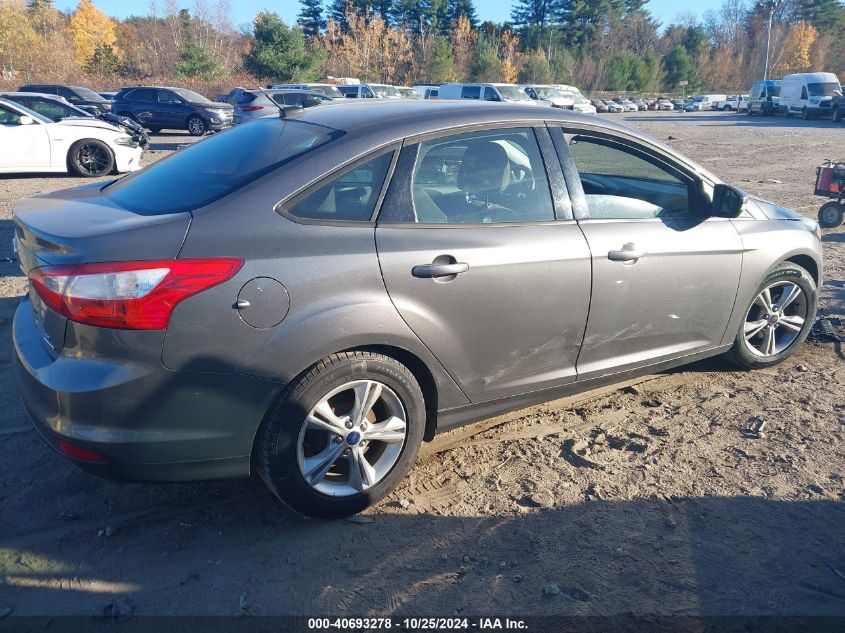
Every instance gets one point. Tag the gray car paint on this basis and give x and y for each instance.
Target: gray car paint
(186, 403)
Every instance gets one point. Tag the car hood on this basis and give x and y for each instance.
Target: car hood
(87, 122)
(218, 105)
(775, 212)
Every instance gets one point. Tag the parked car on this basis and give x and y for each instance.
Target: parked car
(58, 109)
(254, 104)
(809, 94)
(694, 104)
(642, 106)
(665, 104)
(108, 96)
(549, 95)
(732, 102)
(627, 104)
(283, 300)
(369, 91)
(599, 105)
(764, 97)
(407, 93)
(485, 92)
(77, 95)
(427, 91)
(162, 108)
(327, 90)
(613, 107)
(32, 143)
(652, 105)
(581, 104)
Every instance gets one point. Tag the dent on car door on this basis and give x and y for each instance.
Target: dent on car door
(482, 259)
(665, 273)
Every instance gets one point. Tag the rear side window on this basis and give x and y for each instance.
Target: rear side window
(471, 92)
(349, 197)
(219, 165)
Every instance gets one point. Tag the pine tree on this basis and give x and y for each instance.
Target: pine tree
(828, 16)
(311, 19)
(409, 14)
(485, 64)
(457, 8)
(443, 63)
(279, 51)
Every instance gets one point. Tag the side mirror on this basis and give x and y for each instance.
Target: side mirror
(26, 120)
(728, 202)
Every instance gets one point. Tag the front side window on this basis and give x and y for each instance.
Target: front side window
(165, 96)
(485, 177)
(623, 182)
(142, 94)
(490, 94)
(9, 117)
(350, 197)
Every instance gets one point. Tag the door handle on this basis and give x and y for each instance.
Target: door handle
(433, 271)
(629, 253)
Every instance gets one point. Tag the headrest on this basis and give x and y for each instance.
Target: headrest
(485, 168)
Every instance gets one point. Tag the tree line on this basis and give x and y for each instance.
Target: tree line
(614, 45)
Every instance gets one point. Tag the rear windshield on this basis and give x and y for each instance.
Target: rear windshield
(217, 166)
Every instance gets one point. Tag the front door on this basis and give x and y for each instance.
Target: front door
(480, 265)
(665, 274)
(172, 110)
(23, 145)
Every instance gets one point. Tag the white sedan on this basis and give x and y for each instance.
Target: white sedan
(30, 142)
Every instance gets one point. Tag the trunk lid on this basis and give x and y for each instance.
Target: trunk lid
(81, 225)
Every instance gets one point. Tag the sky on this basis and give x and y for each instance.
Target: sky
(243, 11)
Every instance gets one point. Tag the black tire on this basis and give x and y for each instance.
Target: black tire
(750, 112)
(154, 130)
(805, 114)
(90, 158)
(831, 215)
(196, 125)
(726, 108)
(740, 355)
(276, 448)
(837, 114)
(787, 112)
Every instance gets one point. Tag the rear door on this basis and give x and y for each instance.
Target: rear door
(481, 257)
(665, 274)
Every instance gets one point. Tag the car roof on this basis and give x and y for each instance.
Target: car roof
(395, 120)
(43, 95)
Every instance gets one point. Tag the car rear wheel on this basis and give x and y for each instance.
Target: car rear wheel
(805, 114)
(837, 114)
(196, 126)
(90, 158)
(831, 215)
(726, 108)
(342, 435)
(778, 320)
(155, 130)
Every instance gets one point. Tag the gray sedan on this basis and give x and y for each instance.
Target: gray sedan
(309, 298)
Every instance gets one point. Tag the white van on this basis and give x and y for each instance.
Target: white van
(485, 92)
(710, 102)
(808, 94)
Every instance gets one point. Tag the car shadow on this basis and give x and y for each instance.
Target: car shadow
(833, 237)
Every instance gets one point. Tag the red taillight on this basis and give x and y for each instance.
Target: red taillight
(252, 108)
(128, 295)
(78, 452)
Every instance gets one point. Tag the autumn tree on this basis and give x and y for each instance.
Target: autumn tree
(19, 43)
(90, 27)
(797, 50)
(464, 39)
(509, 44)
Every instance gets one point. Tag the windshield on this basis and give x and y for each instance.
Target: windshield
(512, 93)
(549, 93)
(190, 96)
(773, 91)
(328, 91)
(384, 91)
(88, 95)
(409, 93)
(204, 172)
(580, 99)
(823, 90)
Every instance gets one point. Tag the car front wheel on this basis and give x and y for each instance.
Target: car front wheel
(778, 320)
(196, 126)
(831, 215)
(342, 435)
(90, 158)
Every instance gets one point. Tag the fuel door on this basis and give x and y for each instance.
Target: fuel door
(263, 302)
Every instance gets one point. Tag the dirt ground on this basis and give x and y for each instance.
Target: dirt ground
(627, 508)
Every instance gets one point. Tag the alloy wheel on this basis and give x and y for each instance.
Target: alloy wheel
(196, 126)
(775, 319)
(93, 158)
(352, 438)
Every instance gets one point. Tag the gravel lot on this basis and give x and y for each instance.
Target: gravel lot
(661, 509)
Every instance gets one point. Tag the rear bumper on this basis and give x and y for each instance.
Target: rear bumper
(150, 423)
